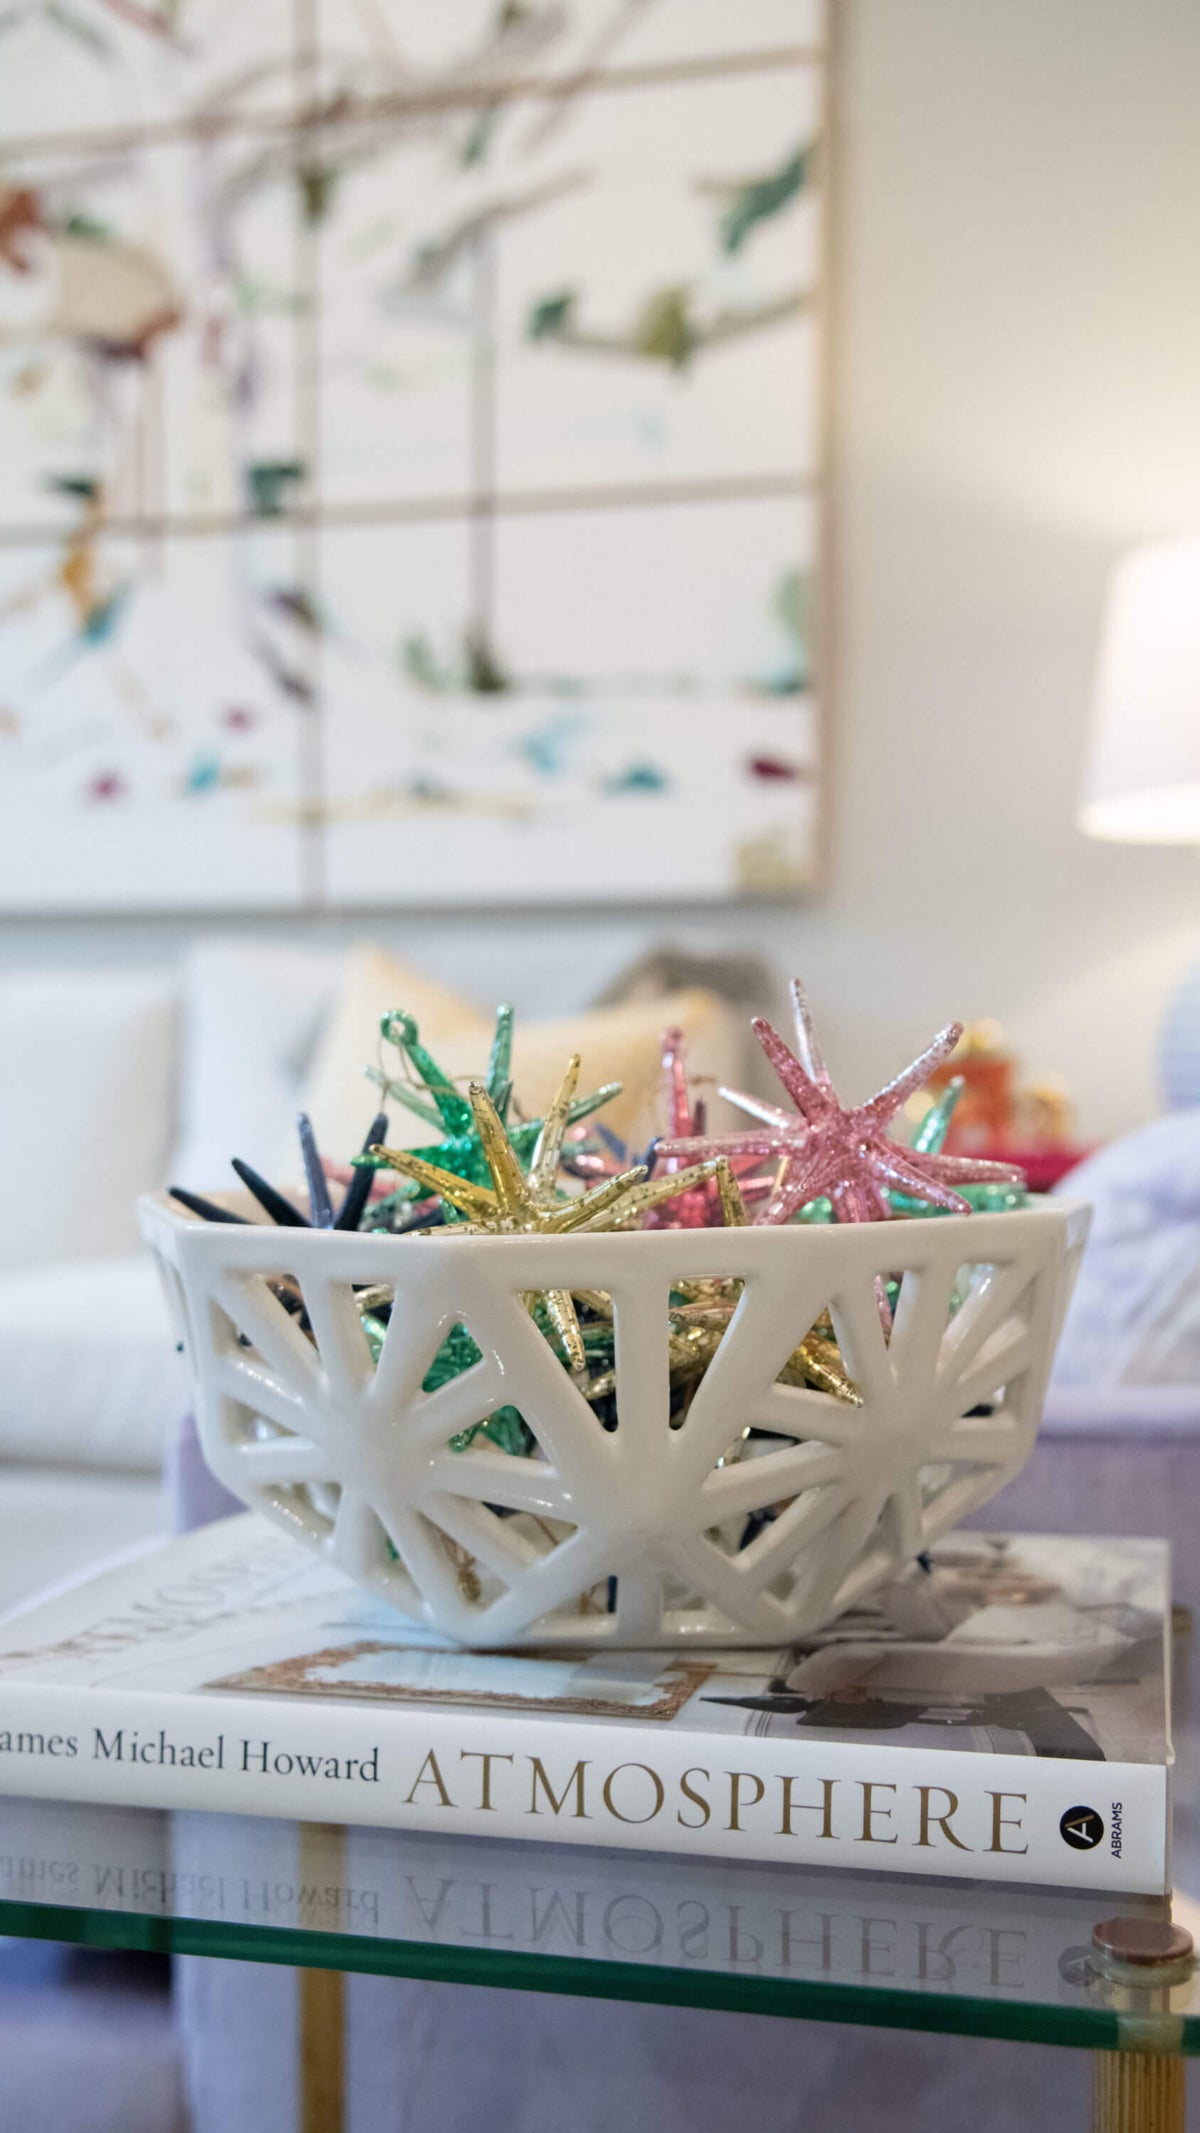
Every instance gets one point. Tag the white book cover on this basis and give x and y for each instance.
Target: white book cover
(1000, 1711)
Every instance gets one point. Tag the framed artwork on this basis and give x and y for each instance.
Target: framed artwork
(410, 451)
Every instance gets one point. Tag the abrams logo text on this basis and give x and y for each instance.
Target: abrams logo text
(1082, 1828)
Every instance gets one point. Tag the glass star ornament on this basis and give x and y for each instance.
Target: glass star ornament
(697, 1323)
(601, 1154)
(821, 1147)
(594, 1152)
(513, 1204)
(448, 1107)
(930, 1137)
(686, 1118)
(598, 1153)
(284, 1212)
(700, 1320)
(349, 1214)
(461, 1150)
(697, 1331)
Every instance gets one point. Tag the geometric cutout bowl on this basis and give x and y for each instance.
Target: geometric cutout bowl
(647, 1533)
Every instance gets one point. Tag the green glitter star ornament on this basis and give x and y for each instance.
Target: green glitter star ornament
(449, 1107)
(930, 1139)
(461, 1151)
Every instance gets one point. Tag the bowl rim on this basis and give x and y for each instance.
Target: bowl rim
(160, 1214)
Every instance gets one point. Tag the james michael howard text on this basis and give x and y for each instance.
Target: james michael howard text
(253, 1757)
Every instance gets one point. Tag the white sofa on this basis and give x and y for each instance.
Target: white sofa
(112, 1083)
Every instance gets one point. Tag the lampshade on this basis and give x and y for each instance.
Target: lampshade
(1142, 781)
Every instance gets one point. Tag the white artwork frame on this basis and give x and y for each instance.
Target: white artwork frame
(414, 455)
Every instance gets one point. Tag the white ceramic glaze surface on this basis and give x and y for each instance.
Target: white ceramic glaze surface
(354, 1457)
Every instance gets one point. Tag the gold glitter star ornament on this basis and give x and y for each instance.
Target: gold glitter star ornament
(518, 1206)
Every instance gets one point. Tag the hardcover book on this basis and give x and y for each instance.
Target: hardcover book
(1001, 1710)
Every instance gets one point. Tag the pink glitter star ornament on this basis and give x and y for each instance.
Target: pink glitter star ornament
(685, 1117)
(700, 1208)
(824, 1149)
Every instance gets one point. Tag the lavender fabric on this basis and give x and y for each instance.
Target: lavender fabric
(194, 1495)
(1134, 1319)
(86, 2041)
(435, 2058)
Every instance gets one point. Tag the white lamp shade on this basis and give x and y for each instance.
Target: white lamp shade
(1142, 782)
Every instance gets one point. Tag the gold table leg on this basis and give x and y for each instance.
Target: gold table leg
(1140, 1962)
(322, 2051)
(1138, 2092)
(322, 1999)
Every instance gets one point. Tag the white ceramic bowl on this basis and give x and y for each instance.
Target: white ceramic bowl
(353, 1457)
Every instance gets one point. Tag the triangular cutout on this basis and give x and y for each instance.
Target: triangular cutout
(700, 1314)
(816, 1363)
(989, 1341)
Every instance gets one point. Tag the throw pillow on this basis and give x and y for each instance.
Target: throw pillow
(616, 1043)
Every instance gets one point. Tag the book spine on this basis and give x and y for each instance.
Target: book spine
(1052, 1821)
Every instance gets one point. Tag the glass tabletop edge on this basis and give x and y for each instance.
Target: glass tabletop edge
(807, 1999)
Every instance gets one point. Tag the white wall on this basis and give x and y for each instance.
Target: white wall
(1019, 374)
(1017, 344)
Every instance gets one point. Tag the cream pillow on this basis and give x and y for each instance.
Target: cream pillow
(625, 1044)
(616, 1043)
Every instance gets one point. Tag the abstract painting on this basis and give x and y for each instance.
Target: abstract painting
(410, 454)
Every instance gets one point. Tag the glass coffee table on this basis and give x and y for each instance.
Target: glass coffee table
(981, 1959)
